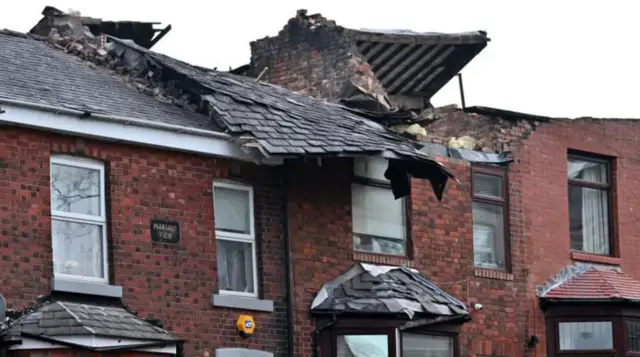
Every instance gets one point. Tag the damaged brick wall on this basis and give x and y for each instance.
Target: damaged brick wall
(453, 127)
(171, 283)
(315, 56)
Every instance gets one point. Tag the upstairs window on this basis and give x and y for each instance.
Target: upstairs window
(379, 220)
(78, 219)
(589, 189)
(490, 249)
(235, 239)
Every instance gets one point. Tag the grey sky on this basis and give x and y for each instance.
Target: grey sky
(561, 58)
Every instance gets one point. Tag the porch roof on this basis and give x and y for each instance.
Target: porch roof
(368, 288)
(591, 282)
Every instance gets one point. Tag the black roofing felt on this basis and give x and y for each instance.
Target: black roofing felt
(368, 288)
(69, 317)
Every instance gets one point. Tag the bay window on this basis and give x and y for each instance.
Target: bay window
(78, 219)
(589, 216)
(389, 342)
(235, 239)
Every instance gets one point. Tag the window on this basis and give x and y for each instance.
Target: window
(235, 239)
(589, 205)
(633, 335)
(595, 336)
(489, 223)
(415, 345)
(390, 343)
(379, 220)
(78, 219)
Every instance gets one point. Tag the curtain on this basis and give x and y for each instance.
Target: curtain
(595, 215)
(235, 265)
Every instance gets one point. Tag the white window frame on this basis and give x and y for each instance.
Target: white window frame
(386, 185)
(101, 220)
(239, 237)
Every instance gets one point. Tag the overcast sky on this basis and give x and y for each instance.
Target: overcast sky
(559, 58)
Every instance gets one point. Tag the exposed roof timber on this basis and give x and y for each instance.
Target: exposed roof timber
(414, 63)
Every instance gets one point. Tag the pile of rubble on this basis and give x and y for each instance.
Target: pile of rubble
(137, 71)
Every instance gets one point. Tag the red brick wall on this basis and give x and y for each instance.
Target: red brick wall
(442, 240)
(542, 166)
(171, 283)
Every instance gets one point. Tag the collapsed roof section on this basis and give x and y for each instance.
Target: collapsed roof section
(266, 120)
(369, 288)
(142, 33)
(381, 69)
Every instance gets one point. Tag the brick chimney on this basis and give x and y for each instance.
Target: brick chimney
(398, 68)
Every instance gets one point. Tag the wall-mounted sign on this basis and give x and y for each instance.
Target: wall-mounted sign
(165, 231)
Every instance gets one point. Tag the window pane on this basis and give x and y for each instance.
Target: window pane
(633, 335)
(378, 220)
(415, 345)
(370, 167)
(77, 249)
(232, 210)
(589, 220)
(587, 171)
(487, 185)
(362, 346)
(488, 235)
(586, 335)
(235, 266)
(75, 190)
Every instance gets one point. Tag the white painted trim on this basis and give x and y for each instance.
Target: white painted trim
(124, 130)
(90, 341)
(101, 220)
(245, 238)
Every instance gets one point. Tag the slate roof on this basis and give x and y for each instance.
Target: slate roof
(590, 282)
(35, 72)
(284, 122)
(63, 318)
(368, 288)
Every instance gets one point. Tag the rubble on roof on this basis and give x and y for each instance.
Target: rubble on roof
(269, 120)
(73, 24)
(492, 133)
(368, 288)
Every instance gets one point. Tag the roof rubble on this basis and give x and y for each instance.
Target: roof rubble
(269, 120)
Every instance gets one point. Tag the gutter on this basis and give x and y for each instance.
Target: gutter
(117, 119)
(106, 348)
(287, 262)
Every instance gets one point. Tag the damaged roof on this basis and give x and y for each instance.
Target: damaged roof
(57, 318)
(265, 119)
(368, 288)
(35, 72)
(591, 282)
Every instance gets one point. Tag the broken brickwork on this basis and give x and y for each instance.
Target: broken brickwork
(315, 56)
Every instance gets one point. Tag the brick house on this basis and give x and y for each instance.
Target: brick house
(541, 230)
(152, 207)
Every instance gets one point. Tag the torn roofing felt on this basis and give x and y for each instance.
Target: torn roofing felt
(59, 317)
(277, 122)
(367, 288)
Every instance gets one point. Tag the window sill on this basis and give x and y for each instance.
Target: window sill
(493, 274)
(87, 288)
(241, 302)
(594, 258)
(382, 259)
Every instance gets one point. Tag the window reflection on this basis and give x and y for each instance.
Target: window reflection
(362, 346)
